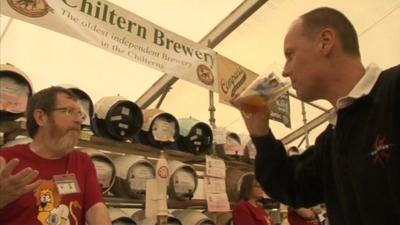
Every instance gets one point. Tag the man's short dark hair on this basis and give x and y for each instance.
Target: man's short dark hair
(316, 20)
(45, 100)
(246, 186)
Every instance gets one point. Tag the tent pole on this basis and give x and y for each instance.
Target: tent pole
(212, 39)
(6, 29)
(301, 141)
(162, 97)
(310, 125)
(212, 109)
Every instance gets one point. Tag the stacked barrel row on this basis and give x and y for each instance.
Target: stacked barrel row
(176, 217)
(118, 118)
(188, 216)
(126, 177)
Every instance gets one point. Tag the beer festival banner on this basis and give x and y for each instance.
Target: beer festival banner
(123, 33)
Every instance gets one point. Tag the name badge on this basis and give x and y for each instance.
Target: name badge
(66, 184)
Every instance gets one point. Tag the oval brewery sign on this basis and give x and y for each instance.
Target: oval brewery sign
(30, 8)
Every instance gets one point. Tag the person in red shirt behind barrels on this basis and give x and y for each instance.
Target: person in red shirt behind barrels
(47, 181)
(301, 216)
(248, 211)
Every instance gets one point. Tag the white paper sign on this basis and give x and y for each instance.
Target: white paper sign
(219, 134)
(151, 198)
(163, 130)
(162, 179)
(215, 167)
(214, 185)
(218, 202)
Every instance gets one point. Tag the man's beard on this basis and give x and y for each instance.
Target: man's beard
(65, 143)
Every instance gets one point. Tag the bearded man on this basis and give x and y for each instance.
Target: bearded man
(54, 118)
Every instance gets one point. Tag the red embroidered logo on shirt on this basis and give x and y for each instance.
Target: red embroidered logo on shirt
(381, 152)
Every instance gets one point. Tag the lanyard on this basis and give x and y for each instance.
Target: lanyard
(66, 166)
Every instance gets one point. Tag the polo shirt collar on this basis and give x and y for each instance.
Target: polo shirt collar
(362, 88)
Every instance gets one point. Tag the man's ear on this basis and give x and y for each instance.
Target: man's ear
(40, 117)
(327, 40)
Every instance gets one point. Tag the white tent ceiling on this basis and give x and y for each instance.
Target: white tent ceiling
(50, 58)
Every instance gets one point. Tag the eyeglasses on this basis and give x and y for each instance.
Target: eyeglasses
(71, 112)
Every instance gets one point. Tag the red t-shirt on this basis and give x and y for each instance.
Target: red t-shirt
(45, 205)
(295, 219)
(246, 214)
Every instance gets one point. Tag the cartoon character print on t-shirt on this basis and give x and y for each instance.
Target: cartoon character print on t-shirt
(50, 209)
